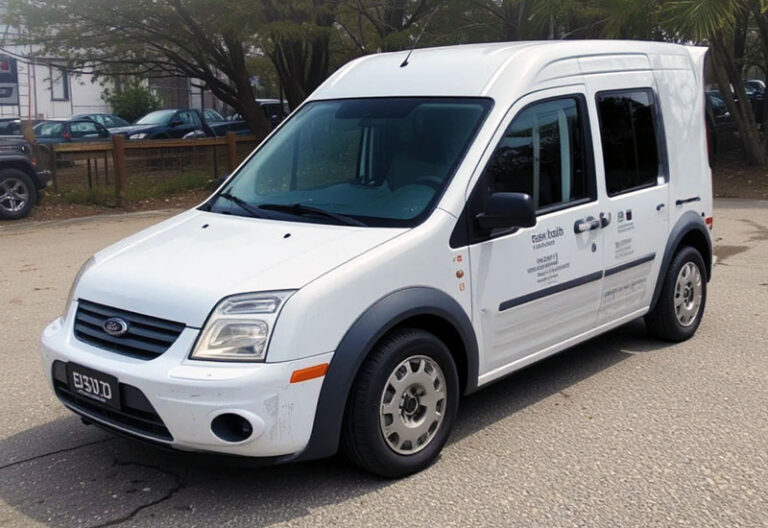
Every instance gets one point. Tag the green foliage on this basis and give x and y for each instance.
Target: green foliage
(701, 20)
(132, 102)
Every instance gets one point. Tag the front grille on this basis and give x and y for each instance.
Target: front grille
(147, 337)
(135, 415)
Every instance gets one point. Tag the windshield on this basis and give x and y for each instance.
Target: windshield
(383, 161)
(160, 117)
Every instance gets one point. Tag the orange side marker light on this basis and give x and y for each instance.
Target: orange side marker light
(305, 374)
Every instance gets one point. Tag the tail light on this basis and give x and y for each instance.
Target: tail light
(709, 221)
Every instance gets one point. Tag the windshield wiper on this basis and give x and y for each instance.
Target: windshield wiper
(306, 210)
(245, 206)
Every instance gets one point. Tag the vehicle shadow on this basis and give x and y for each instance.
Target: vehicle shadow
(64, 474)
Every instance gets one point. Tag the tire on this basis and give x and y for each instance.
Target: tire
(680, 307)
(422, 412)
(17, 194)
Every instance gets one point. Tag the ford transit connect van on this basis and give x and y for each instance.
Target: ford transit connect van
(414, 231)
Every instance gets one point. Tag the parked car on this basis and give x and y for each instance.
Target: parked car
(755, 87)
(407, 237)
(273, 109)
(21, 179)
(166, 124)
(69, 131)
(721, 129)
(108, 121)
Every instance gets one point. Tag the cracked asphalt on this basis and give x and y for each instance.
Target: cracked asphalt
(620, 431)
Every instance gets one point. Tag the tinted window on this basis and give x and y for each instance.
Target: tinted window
(159, 117)
(83, 129)
(542, 154)
(212, 116)
(48, 130)
(630, 147)
(8, 128)
(115, 121)
(185, 118)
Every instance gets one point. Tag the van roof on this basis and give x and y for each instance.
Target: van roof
(474, 70)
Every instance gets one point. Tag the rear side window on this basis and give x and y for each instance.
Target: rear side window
(542, 154)
(629, 137)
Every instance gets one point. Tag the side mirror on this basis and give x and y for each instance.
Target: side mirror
(507, 210)
(174, 122)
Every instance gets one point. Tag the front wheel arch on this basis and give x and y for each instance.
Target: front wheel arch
(428, 306)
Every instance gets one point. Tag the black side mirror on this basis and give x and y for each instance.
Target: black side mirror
(507, 210)
(174, 122)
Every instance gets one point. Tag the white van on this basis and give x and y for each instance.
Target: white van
(414, 231)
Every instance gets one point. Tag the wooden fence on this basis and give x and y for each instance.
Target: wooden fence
(116, 149)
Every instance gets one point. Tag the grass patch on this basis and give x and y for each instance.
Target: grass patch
(139, 188)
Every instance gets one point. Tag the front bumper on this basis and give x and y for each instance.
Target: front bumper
(187, 395)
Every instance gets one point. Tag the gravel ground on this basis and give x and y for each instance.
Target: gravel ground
(621, 431)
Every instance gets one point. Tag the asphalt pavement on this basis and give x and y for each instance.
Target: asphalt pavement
(620, 431)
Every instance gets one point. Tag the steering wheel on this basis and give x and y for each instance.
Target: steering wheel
(435, 182)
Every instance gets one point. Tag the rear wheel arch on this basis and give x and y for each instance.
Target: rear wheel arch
(689, 230)
(418, 307)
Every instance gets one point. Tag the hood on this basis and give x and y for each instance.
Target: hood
(132, 129)
(179, 269)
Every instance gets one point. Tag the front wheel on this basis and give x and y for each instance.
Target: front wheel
(17, 194)
(402, 404)
(680, 307)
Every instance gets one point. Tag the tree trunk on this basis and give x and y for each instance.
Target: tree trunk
(727, 75)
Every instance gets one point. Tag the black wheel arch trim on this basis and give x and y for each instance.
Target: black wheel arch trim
(24, 164)
(688, 221)
(377, 320)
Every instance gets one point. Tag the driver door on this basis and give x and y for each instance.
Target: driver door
(535, 288)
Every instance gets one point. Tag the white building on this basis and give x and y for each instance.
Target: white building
(44, 87)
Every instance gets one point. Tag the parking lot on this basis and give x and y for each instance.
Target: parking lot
(620, 431)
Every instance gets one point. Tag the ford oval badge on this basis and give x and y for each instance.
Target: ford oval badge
(115, 326)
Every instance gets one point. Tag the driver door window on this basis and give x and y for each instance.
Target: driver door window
(542, 154)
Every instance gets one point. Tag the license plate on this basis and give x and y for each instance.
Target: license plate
(94, 385)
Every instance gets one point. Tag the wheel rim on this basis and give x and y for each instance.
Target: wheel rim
(412, 405)
(688, 293)
(14, 195)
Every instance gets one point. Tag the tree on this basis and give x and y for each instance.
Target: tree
(715, 22)
(207, 40)
(296, 35)
(390, 25)
(131, 101)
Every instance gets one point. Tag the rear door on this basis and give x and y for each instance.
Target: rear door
(632, 164)
(537, 287)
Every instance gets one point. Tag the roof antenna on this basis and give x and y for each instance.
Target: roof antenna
(416, 42)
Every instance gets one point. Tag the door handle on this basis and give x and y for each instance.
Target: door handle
(586, 224)
(605, 219)
(688, 200)
(660, 207)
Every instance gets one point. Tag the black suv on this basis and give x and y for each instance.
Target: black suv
(21, 180)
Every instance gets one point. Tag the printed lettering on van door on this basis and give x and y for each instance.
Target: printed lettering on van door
(547, 266)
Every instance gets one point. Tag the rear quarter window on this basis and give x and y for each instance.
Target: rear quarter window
(629, 137)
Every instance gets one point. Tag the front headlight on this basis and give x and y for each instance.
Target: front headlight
(140, 135)
(239, 327)
(71, 297)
